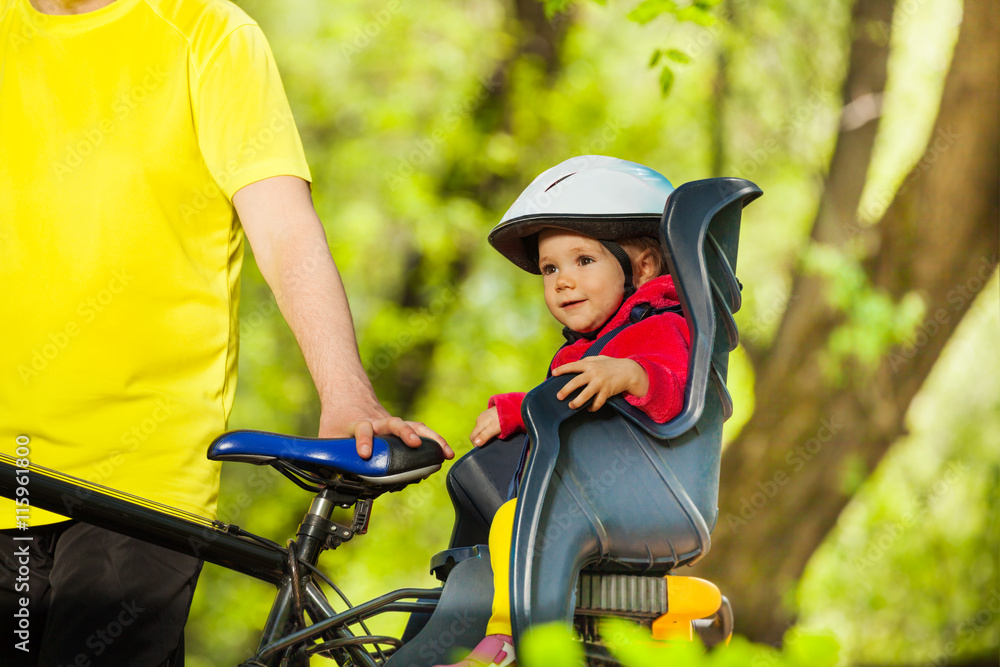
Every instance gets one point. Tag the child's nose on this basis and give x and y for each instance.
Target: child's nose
(564, 280)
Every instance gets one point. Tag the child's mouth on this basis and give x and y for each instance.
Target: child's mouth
(571, 304)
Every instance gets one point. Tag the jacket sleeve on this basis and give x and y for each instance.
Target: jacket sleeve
(509, 411)
(661, 346)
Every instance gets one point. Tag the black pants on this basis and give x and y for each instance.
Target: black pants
(93, 597)
(479, 483)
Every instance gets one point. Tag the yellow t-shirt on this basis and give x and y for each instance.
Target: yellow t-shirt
(124, 133)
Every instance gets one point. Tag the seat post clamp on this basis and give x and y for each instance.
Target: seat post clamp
(362, 513)
(328, 533)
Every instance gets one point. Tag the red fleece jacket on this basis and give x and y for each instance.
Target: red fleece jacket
(660, 344)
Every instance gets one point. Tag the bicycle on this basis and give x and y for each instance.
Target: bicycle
(627, 570)
(287, 638)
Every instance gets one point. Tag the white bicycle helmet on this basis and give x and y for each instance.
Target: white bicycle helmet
(602, 197)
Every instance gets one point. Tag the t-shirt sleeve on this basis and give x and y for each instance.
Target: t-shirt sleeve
(245, 126)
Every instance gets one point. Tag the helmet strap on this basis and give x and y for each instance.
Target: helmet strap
(626, 264)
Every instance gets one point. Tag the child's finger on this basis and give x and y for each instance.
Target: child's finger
(485, 430)
(485, 436)
(599, 401)
(578, 366)
(571, 386)
(583, 397)
(567, 389)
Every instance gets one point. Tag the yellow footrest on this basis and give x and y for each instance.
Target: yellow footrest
(688, 599)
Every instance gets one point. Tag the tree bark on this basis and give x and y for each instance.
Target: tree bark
(783, 478)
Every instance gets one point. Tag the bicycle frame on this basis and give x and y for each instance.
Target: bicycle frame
(285, 634)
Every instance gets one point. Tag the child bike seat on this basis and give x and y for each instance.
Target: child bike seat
(612, 491)
(332, 461)
(611, 500)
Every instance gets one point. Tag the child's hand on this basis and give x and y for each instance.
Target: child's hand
(601, 378)
(487, 427)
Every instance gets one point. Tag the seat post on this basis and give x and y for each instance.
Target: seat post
(318, 532)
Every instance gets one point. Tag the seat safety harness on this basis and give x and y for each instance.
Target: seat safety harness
(639, 312)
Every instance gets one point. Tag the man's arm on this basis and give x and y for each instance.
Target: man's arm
(290, 246)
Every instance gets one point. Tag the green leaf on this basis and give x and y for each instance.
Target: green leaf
(696, 14)
(635, 647)
(550, 645)
(666, 80)
(650, 9)
(678, 56)
(656, 58)
(553, 7)
(811, 650)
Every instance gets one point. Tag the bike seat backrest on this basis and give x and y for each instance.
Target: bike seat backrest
(700, 237)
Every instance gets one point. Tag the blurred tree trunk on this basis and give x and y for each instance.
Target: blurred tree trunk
(785, 478)
(539, 39)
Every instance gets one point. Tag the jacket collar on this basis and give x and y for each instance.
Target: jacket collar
(658, 293)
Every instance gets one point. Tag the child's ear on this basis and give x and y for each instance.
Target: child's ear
(648, 265)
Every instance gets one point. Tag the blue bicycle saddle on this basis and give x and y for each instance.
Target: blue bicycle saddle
(391, 462)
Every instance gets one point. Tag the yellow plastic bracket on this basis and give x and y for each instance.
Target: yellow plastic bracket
(688, 598)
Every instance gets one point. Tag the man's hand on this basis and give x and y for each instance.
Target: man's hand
(487, 427)
(601, 378)
(363, 424)
(290, 247)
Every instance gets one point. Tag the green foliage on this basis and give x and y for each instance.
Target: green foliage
(678, 56)
(413, 162)
(666, 79)
(550, 645)
(698, 13)
(634, 646)
(553, 7)
(873, 324)
(915, 552)
(553, 646)
(650, 9)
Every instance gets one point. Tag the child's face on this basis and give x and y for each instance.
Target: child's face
(583, 282)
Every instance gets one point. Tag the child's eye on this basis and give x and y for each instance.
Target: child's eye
(548, 269)
(586, 260)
